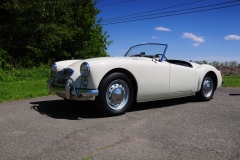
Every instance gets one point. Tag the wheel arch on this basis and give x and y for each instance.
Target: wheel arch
(128, 74)
(213, 75)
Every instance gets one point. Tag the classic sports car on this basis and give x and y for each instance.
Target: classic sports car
(143, 74)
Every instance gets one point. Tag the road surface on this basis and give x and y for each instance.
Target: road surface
(50, 128)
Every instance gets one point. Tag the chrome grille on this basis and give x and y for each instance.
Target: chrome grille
(63, 75)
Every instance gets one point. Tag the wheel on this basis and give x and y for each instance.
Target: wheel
(207, 88)
(115, 94)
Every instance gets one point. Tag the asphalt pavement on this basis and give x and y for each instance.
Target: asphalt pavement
(50, 128)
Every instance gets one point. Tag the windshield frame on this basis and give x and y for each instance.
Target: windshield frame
(163, 54)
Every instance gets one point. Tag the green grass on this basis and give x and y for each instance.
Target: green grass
(22, 90)
(18, 84)
(231, 81)
(23, 74)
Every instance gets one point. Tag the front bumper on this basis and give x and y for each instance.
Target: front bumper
(68, 90)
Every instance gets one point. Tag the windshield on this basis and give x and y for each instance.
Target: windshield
(150, 50)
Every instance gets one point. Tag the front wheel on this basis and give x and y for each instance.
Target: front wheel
(115, 94)
(207, 88)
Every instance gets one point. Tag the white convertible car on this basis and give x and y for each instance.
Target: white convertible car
(143, 74)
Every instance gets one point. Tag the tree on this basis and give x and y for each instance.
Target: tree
(205, 62)
(215, 63)
(233, 64)
(226, 63)
(41, 31)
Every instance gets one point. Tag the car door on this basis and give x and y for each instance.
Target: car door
(153, 80)
(182, 78)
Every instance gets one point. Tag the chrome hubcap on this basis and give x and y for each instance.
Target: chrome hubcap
(117, 94)
(207, 87)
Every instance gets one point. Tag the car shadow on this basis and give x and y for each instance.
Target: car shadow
(232, 94)
(162, 103)
(60, 109)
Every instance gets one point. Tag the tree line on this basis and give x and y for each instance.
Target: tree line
(36, 32)
(226, 63)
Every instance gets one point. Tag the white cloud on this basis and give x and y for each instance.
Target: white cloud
(154, 37)
(232, 37)
(196, 44)
(193, 37)
(162, 29)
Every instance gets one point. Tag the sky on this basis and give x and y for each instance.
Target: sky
(212, 35)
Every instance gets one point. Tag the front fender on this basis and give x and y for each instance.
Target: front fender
(203, 70)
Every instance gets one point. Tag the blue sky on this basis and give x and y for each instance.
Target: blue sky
(212, 35)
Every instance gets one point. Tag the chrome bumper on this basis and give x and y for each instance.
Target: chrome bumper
(70, 90)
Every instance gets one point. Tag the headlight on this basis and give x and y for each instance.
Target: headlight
(85, 69)
(54, 69)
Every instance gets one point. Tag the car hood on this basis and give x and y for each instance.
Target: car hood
(107, 59)
(77, 63)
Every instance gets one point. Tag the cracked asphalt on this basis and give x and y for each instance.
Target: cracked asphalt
(50, 128)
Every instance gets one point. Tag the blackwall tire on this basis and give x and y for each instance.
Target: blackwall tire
(115, 94)
(207, 88)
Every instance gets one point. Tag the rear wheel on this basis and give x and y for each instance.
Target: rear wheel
(207, 88)
(115, 94)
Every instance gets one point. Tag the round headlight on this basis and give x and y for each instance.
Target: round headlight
(85, 69)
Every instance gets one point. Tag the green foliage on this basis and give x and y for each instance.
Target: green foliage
(231, 81)
(22, 83)
(22, 90)
(231, 63)
(36, 32)
(24, 74)
(205, 62)
(215, 63)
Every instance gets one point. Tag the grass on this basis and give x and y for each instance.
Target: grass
(23, 74)
(231, 81)
(22, 90)
(18, 84)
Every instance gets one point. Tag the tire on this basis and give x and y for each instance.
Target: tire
(207, 88)
(115, 94)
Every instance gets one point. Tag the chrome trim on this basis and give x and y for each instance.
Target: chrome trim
(88, 92)
(65, 73)
(117, 94)
(53, 69)
(207, 87)
(69, 89)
